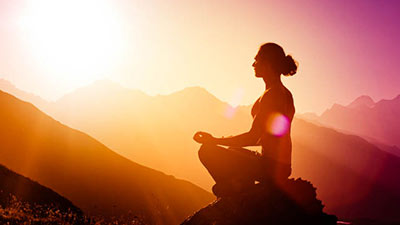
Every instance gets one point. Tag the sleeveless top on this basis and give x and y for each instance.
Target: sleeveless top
(277, 147)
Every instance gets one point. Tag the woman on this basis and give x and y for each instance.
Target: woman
(234, 168)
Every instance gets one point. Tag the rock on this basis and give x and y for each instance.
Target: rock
(292, 202)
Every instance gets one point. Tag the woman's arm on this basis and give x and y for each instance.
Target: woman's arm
(269, 104)
(249, 138)
(241, 140)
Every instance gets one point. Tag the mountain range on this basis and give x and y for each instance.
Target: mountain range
(93, 177)
(377, 122)
(354, 178)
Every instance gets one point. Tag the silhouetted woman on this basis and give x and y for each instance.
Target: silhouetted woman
(234, 168)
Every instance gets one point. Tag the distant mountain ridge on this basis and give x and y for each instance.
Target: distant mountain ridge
(362, 101)
(96, 179)
(354, 178)
(379, 121)
(8, 87)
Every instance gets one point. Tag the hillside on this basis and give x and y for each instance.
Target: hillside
(92, 176)
(354, 179)
(128, 121)
(30, 191)
(23, 201)
(8, 87)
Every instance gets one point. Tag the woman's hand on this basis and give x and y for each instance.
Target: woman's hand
(204, 138)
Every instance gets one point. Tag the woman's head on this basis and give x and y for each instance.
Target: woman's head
(271, 60)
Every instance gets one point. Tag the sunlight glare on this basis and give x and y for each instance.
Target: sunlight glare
(74, 40)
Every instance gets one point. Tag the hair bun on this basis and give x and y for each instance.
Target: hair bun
(289, 66)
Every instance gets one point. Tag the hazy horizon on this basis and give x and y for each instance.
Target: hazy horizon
(233, 101)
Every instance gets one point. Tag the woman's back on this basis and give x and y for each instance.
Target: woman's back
(277, 105)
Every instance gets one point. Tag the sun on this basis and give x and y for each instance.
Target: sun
(74, 40)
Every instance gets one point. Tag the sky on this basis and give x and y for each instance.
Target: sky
(344, 48)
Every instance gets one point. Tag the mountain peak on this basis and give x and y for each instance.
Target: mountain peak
(5, 82)
(101, 89)
(7, 86)
(361, 101)
(195, 91)
(106, 83)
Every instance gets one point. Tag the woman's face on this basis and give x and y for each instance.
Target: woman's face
(262, 68)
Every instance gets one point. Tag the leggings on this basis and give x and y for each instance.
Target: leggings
(234, 164)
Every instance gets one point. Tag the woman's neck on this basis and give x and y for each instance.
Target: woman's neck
(272, 82)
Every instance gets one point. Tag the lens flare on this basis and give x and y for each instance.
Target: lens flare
(278, 124)
(230, 111)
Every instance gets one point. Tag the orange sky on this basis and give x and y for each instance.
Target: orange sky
(344, 49)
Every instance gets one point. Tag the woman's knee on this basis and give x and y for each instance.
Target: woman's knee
(205, 152)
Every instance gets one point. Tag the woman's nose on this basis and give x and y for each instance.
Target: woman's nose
(254, 64)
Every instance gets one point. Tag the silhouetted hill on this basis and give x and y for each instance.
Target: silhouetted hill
(28, 191)
(354, 178)
(378, 121)
(23, 201)
(80, 168)
(387, 148)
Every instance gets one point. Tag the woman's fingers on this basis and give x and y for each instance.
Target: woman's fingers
(198, 136)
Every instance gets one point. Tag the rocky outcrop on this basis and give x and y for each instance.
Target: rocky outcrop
(292, 202)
